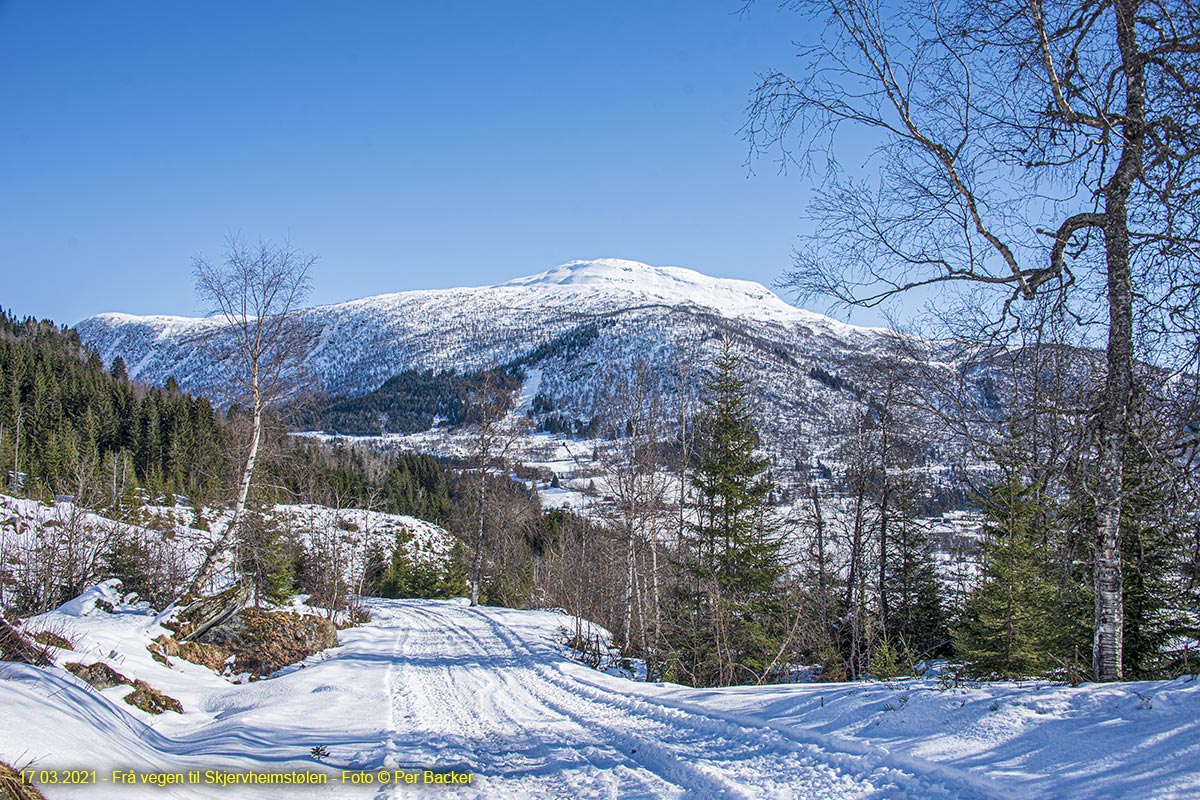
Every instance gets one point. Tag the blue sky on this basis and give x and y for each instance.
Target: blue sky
(406, 145)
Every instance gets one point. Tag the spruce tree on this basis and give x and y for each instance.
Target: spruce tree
(409, 577)
(1150, 539)
(730, 603)
(264, 558)
(917, 619)
(1008, 626)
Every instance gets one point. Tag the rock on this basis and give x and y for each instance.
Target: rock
(270, 640)
(261, 642)
(151, 700)
(208, 655)
(99, 675)
(158, 653)
(211, 629)
(200, 616)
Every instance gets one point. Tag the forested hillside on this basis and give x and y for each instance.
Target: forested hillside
(390, 362)
(409, 402)
(71, 425)
(120, 453)
(69, 422)
(713, 562)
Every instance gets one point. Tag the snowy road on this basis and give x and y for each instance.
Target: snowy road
(429, 685)
(464, 691)
(442, 686)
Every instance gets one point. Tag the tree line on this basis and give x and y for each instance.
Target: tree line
(68, 422)
(691, 555)
(696, 565)
(73, 428)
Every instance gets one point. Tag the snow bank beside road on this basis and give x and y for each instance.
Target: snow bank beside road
(1035, 739)
(429, 684)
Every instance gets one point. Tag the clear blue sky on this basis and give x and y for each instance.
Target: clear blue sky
(406, 145)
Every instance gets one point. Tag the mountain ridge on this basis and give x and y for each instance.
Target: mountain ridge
(577, 323)
(667, 285)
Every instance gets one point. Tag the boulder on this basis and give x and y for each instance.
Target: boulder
(270, 640)
(151, 700)
(260, 641)
(212, 656)
(99, 675)
(206, 613)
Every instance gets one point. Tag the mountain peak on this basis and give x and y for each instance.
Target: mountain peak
(361, 343)
(662, 285)
(594, 271)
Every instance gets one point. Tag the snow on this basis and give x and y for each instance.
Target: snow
(666, 285)
(347, 538)
(585, 279)
(572, 328)
(529, 390)
(549, 454)
(440, 685)
(360, 343)
(1036, 739)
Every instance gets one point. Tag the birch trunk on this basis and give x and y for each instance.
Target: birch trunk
(228, 536)
(1107, 648)
(477, 563)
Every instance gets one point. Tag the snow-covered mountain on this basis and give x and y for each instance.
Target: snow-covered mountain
(567, 326)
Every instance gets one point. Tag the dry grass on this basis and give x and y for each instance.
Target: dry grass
(11, 787)
(15, 646)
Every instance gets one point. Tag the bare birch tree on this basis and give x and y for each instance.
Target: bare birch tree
(1032, 147)
(633, 408)
(254, 294)
(494, 432)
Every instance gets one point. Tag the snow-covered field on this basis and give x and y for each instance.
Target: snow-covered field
(440, 686)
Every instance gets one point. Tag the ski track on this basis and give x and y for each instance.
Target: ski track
(467, 693)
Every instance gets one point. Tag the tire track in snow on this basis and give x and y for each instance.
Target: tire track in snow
(635, 752)
(391, 756)
(709, 756)
(468, 692)
(473, 711)
(675, 751)
(806, 757)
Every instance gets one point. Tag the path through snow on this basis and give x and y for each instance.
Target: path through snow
(463, 691)
(443, 686)
(439, 685)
